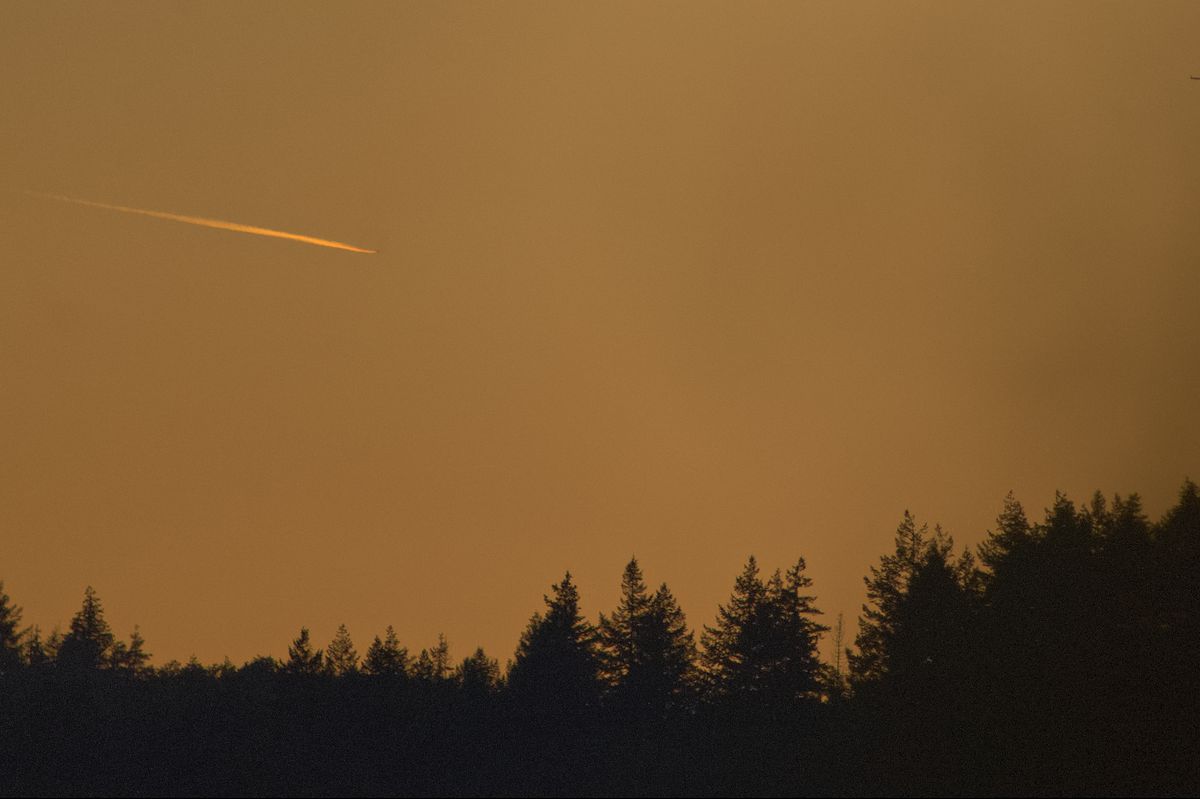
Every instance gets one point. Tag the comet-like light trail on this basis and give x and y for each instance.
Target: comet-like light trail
(215, 223)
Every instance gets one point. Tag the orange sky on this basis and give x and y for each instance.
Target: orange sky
(683, 280)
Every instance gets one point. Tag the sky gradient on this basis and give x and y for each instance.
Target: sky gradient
(687, 281)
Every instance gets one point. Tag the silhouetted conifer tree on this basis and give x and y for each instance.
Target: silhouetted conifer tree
(89, 644)
(34, 650)
(1010, 555)
(920, 693)
(922, 601)
(617, 635)
(792, 665)
(1177, 558)
(1011, 540)
(1125, 591)
(386, 658)
(478, 674)
(1069, 668)
(1173, 660)
(886, 586)
(556, 667)
(729, 644)
(54, 644)
(10, 637)
(1065, 587)
(1126, 530)
(1067, 533)
(132, 658)
(302, 659)
(668, 654)
(764, 644)
(433, 665)
(647, 654)
(340, 657)
(1180, 527)
(927, 633)
(116, 655)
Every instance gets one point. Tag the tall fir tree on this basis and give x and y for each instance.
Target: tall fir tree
(918, 693)
(617, 635)
(89, 644)
(886, 586)
(1065, 585)
(928, 631)
(1011, 540)
(556, 668)
(341, 658)
(795, 666)
(668, 655)
(433, 665)
(386, 658)
(647, 654)
(764, 644)
(302, 658)
(728, 645)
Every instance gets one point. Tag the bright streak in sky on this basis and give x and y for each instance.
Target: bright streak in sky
(214, 223)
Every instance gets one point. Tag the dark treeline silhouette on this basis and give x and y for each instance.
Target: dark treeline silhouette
(1063, 657)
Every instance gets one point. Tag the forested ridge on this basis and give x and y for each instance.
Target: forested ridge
(1062, 656)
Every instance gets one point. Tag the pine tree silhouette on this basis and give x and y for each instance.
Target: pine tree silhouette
(617, 635)
(764, 645)
(340, 657)
(302, 658)
(478, 674)
(556, 668)
(386, 658)
(793, 665)
(886, 585)
(10, 637)
(1063, 663)
(89, 644)
(647, 654)
(433, 665)
(730, 645)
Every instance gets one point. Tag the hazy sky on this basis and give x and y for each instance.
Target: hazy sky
(687, 281)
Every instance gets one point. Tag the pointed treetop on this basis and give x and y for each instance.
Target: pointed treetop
(386, 658)
(340, 657)
(302, 658)
(90, 643)
(556, 661)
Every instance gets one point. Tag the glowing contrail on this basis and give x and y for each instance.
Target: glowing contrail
(217, 223)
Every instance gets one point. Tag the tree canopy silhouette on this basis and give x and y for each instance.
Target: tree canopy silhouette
(1059, 661)
(647, 654)
(10, 637)
(556, 664)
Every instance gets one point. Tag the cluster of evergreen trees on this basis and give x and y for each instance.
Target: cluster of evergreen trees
(1061, 658)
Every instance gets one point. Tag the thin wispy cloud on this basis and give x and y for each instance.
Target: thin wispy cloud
(220, 224)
